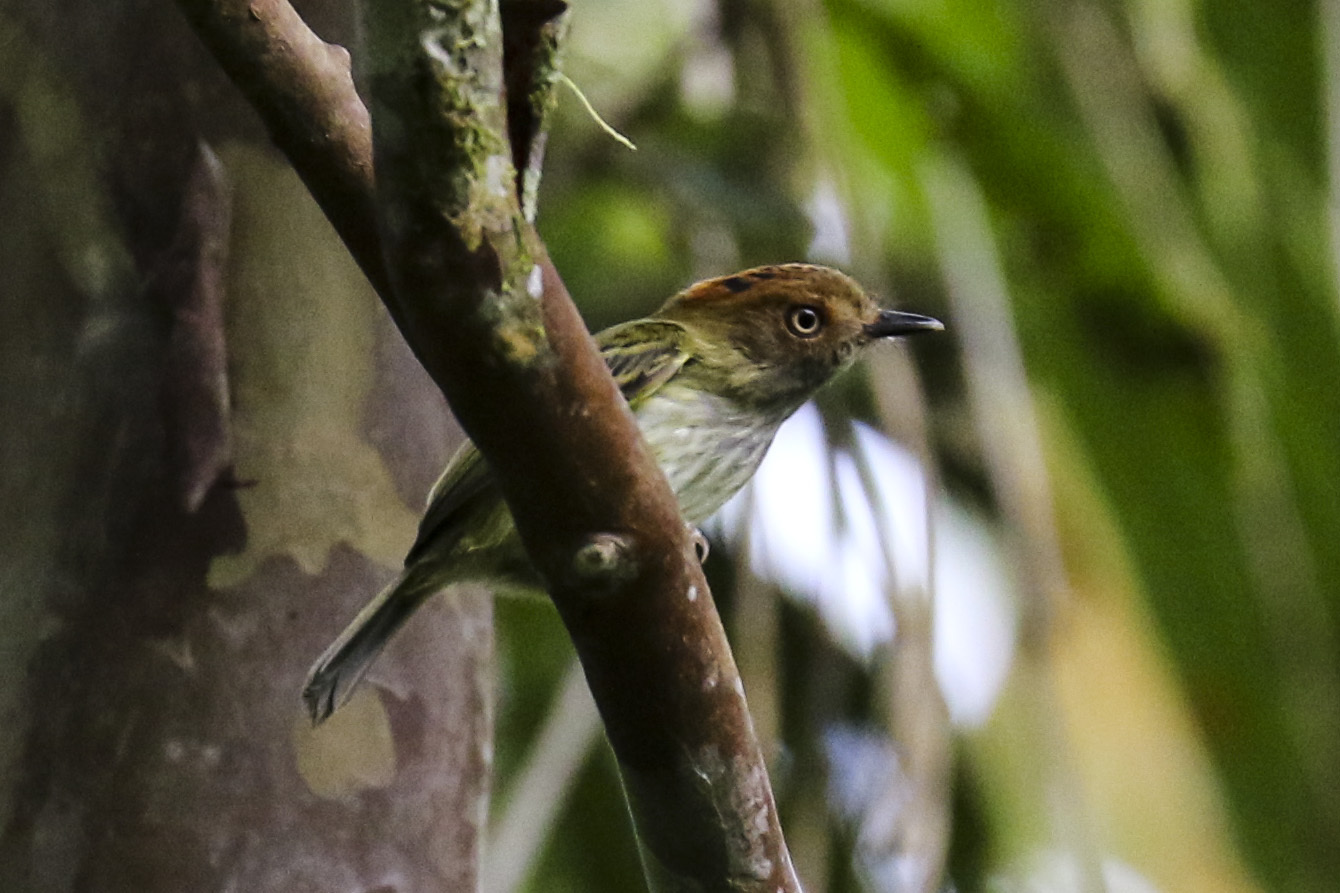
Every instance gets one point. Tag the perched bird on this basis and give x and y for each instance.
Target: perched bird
(710, 377)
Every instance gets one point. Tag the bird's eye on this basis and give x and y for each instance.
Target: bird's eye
(804, 321)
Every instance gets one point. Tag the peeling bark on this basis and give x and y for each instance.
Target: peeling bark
(190, 285)
(152, 740)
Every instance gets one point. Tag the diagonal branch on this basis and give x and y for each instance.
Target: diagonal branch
(523, 376)
(303, 90)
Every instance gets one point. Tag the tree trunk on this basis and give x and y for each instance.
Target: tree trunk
(215, 447)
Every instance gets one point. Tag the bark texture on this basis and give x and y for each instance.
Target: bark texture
(220, 445)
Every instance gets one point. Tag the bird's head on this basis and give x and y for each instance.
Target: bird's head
(774, 335)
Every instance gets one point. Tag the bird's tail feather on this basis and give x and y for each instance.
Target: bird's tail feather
(339, 669)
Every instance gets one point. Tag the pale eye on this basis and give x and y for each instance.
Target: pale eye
(804, 321)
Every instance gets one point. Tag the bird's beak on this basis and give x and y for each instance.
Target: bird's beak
(895, 322)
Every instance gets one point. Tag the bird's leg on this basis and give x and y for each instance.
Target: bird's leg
(700, 545)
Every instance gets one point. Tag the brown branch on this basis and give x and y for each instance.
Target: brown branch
(525, 380)
(304, 92)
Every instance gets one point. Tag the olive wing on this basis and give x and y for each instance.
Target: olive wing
(642, 355)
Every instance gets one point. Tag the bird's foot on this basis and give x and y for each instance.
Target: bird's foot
(700, 545)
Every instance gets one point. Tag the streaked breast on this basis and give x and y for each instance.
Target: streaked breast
(707, 446)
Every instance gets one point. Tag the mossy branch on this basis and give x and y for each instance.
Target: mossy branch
(596, 515)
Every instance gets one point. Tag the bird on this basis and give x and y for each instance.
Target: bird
(710, 377)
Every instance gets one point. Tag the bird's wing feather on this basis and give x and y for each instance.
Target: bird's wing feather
(642, 355)
(465, 486)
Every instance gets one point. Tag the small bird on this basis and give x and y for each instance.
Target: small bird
(710, 377)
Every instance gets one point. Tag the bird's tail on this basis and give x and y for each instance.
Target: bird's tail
(337, 672)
